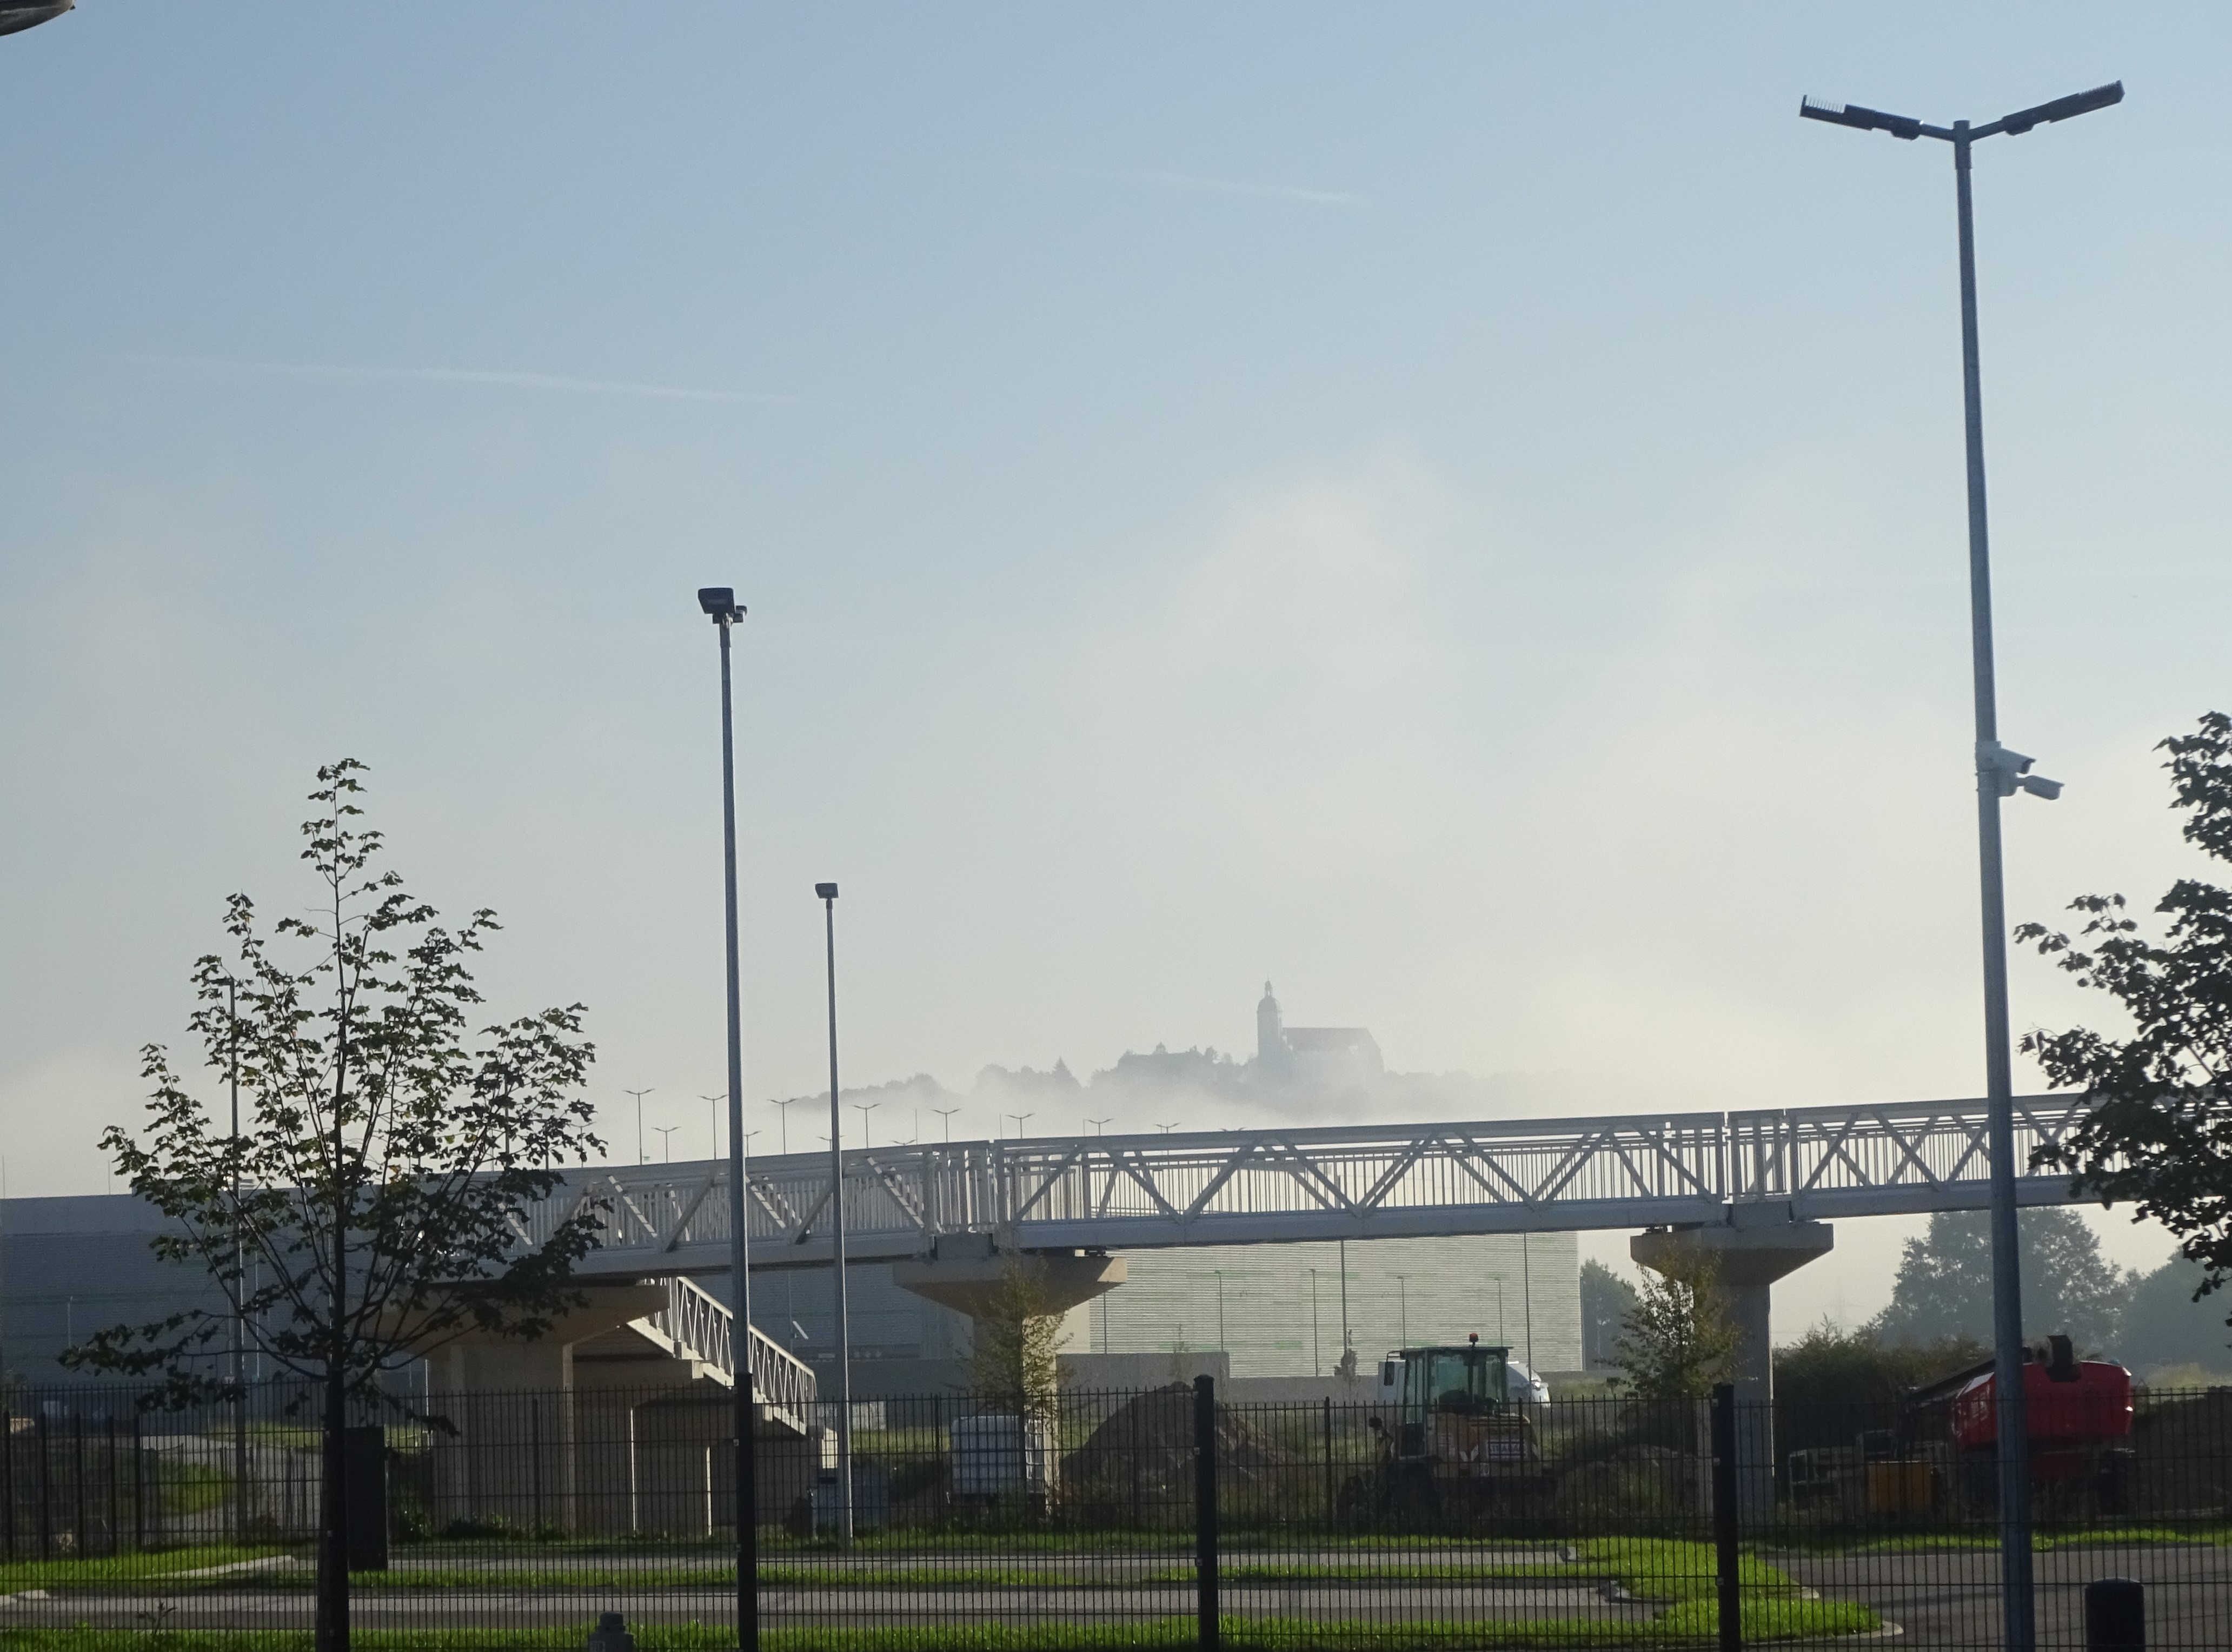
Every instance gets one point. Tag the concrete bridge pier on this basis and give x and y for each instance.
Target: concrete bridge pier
(971, 1274)
(1754, 1245)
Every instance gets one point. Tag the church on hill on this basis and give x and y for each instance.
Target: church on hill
(1313, 1058)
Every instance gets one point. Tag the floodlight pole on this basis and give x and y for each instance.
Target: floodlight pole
(720, 605)
(240, 1500)
(1998, 774)
(829, 893)
(2018, 1606)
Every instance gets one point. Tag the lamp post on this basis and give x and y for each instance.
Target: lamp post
(829, 893)
(665, 1134)
(2000, 773)
(946, 1113)
(641, 1157)
(240, 1505)
(719, 604)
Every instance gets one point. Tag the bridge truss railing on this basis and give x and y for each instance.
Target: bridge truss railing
(1129, 1192)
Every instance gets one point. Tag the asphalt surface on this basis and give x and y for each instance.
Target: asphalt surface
(1951, 1600)
(859, 1607)
(1932, 1599)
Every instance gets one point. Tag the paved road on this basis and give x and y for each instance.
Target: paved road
(1951, 1600)
(853, 1606)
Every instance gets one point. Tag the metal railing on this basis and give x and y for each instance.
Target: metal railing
(697, 1325)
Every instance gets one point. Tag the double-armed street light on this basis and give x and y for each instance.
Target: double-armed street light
(2000, 773)
(719, 604)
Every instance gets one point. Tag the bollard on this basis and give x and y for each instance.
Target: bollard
(611, 1634)
(2115, 1615)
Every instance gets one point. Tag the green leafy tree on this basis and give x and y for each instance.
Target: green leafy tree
(1831, 1384)
(2163, 1326)
(374, 1205)
(1607, 1301)
(2159, 1134)
(1943, 1289)
(1831, 1366)
(1679, 1338)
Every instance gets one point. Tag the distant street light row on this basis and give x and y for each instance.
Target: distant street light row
(782, 1106)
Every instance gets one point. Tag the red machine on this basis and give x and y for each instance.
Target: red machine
(2078, 1412)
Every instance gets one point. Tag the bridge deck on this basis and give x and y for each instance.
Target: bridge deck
(1278, 1186)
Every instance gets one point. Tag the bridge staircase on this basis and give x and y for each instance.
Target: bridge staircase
(698, 1327)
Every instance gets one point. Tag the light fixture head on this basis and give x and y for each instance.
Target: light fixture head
(2062, 108)
(719, 603)
(14, 19)
(1855, 114)
(827, 891)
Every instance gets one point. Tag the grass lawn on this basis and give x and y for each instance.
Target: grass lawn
(1690, 1625)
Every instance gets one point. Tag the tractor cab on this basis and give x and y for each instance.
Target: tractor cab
(1455, 1414)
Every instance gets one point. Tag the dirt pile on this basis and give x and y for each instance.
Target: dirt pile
(1143, 1454)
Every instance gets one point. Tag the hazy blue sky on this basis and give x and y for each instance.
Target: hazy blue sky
(1454, 508)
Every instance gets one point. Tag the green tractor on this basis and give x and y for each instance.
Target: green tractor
(1454, 1436)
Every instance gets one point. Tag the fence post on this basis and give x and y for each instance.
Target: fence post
(46, 1484)
(1138, 1404)
(364, 1455)
(77, 1480)
(1724, 1516)
(8, 1474)
(138, 1481)
(1330, 1508)
(2115, 1615)
(1204, 1508)
(115, 1520)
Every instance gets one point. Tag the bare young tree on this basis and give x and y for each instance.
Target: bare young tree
(1016, 1343)
(377, 1201)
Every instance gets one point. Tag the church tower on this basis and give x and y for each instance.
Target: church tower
(1272, 1056)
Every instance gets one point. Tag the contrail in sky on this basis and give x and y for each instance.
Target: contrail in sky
(1206, 186)
(466, 376)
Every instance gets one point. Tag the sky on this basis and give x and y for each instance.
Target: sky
(1455, 509)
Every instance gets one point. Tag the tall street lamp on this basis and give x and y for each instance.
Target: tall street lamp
(2000, 773)
(641, 1157)
(719, 604)
(829, 893)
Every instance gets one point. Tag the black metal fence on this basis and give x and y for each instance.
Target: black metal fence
(1170, 1517)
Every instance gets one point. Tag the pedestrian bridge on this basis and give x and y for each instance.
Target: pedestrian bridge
(1280, 1186)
